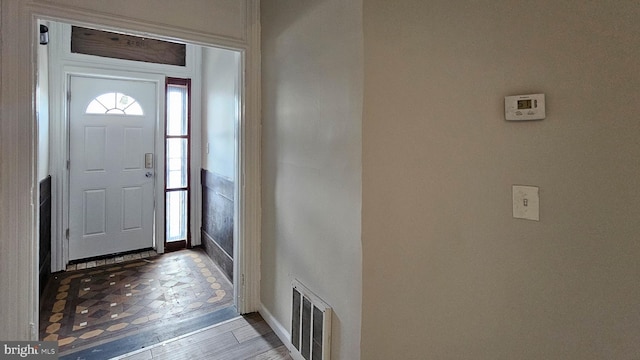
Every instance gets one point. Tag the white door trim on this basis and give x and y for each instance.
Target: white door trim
(249, 170)
(159, 197)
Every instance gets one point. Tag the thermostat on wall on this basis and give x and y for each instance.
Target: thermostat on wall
(524, 107)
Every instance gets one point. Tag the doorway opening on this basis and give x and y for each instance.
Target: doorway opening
(184, 213)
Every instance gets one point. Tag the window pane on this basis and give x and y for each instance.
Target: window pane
(176, 163)
(176, 215)
(122, 101)
(95, 107)
(108, 100)
(176, 110)
(114, 103)
(133, 109)
(176, 159)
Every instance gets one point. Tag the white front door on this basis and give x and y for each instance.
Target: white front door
(111, 186)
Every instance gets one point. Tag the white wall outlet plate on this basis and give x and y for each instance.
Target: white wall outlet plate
(526, 202)
(524, 107)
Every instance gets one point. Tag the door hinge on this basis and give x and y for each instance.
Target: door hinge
(68, 95)
(68, 164)
(66, 233)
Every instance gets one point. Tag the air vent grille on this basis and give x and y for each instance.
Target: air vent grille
(310, 324)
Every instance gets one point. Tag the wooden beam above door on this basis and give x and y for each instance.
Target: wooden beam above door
(126, 47)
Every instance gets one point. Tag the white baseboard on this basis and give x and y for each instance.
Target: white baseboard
(280, 331)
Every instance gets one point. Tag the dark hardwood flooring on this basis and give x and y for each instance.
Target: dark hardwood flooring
(152, 307)
(102, 312)
(245, 337)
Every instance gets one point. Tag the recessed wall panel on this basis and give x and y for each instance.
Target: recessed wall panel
(132, 208)
(95, 212)
(95, 138)
(132, 151)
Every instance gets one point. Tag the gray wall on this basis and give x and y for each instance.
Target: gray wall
(461, 278)
(217, 220)
(311, 98)
(220, 86)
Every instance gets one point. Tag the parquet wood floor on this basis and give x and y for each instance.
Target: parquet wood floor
(101, 312)
(245, 337)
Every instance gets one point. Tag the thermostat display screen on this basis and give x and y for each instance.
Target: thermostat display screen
(524, 104)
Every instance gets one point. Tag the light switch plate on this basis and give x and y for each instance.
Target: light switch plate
(526, 202)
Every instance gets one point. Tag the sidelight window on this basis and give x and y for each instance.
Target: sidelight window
(177, 163)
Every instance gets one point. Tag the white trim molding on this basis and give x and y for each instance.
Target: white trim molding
(18, 176)
(248, 230)
(279, 329)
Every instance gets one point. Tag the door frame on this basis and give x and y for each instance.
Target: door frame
(247, 210)
(19, 138)
(62, 58)
(158, 139)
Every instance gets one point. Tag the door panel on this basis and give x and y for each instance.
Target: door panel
(95, 148)
(111, 128)
(132, 149)
(131, 206)
(95, 212)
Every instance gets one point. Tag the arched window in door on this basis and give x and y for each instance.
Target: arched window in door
(114, 103)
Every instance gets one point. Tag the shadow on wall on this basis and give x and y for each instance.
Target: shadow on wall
(295, 11)
(45, 232)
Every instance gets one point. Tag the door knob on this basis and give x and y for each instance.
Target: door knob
(148, 174)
